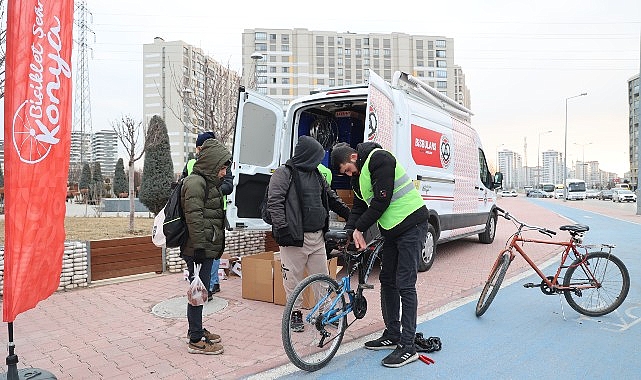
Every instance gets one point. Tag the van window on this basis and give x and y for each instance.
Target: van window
(258, 131)
(485, 175)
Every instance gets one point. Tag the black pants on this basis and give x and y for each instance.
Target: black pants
(398, 283)
(195, 313)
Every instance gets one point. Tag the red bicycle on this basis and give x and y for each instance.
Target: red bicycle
(595, 283)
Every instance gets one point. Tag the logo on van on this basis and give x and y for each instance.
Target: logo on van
(430, 148)
(373, 123)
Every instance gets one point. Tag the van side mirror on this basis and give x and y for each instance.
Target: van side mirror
(498, 180)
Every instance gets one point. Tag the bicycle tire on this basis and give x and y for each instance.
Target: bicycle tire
(302, 347)
(611, 273)
(493, 283)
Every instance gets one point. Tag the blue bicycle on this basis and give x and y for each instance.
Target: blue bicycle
(325, 304)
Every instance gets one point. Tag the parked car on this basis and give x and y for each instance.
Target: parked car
(558, 194)
(508, 193)
(591, 193)
(537, 194)
(623, 195)
(605, 194)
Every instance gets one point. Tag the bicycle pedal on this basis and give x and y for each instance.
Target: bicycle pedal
(531, 285)
(365, 286)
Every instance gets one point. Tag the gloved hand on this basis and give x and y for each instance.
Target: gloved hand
(199, 255)
(284, 238)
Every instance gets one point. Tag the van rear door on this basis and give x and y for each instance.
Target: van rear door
(379, 126)
(256, 154)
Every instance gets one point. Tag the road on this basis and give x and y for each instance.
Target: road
(524, 334)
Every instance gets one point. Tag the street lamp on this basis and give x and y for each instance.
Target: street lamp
(583, 164)
(256, 56)
(538, 157)
(565, 150)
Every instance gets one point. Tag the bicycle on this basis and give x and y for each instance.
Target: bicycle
(325, 317)
(594, 284)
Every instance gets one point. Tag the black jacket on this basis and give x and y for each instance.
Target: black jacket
(382, 166)
(292, 212)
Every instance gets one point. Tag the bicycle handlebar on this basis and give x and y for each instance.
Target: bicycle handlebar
(509, 216)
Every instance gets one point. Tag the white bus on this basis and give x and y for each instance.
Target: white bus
(575, 189)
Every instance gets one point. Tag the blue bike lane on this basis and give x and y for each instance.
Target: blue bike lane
(524, 334)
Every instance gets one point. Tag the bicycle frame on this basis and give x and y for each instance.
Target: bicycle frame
(570, 247)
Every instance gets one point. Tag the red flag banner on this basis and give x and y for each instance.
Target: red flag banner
(37, 134)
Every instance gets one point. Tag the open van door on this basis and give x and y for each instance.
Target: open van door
(256, 154)
(379, 125)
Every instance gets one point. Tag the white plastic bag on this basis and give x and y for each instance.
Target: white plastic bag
(197, 292)
(157, 234)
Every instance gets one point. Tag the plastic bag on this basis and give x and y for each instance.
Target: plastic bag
(157, 234)
(197, 292)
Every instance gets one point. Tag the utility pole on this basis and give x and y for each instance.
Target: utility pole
(82, 101)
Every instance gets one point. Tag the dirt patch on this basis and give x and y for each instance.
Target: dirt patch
(81, 228)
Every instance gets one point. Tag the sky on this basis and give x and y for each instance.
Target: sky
(521, 59)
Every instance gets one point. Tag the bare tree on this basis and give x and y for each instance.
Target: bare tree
(129, 133)
(209, 104)
(3, 45)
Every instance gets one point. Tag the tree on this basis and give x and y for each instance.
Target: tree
(97, 182)
(85, 177)
(158, 168)
(120, 179)
(128, 131)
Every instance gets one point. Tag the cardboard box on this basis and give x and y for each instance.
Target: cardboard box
(236, 269)
(257, 275)
(279, 290)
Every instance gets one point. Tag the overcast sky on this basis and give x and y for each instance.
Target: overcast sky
(522, 59)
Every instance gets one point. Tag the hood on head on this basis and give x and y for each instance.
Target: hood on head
(212, 157)
(308, 153)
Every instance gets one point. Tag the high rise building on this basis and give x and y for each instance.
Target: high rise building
(104, 147)
(190, 91)
(552, 167)
(633, 128)
(287, 63)
(511, 165)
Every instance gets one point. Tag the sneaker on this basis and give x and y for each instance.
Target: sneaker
(216, 289)
(296, 322)
(214, 338)
(382, 343)
(210, 295)
(400, 356)
(205, 347)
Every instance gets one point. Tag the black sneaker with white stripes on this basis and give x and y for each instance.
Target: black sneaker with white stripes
(400, 356)
(382, 343)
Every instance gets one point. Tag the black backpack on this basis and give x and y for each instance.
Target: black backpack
(175, 227)
(264, 214)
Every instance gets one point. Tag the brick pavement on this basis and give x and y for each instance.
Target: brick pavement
(107, 331)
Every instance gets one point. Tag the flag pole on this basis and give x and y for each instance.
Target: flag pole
(26, 373)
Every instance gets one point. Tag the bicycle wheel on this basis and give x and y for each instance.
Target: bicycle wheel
(317, 297)
(611, 274)
(493, 283)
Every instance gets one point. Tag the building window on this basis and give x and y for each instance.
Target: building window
(284, 47)
(261, 47)
(387, 53)
(339, 51)
(332, 82)
(320, 51)
(419, 54)
(376, 53)
(320, 70)
(272, 38)
(430, 45)
(440, 43)
(339, 61)
(419, 44)
(261, 79)
(284, 39)
(359, 53)
(320, 40)
(366, 62)
(330, 62)
(365, 41)
(441, 73)
(339, 71)
(330, 41)
(285, 70)
(441, 84)
(320, 61)
(420, 74)
(284, 81)
(272, 69)
(339, 40)
(440, 63)
(440, 53)
(330, 51)
(261, 68)
(260, 36)
(430, 63)
(430, 74)
(348, 52)
(419, 63)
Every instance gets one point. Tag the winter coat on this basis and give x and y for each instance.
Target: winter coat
(293, 213)
(205, 217)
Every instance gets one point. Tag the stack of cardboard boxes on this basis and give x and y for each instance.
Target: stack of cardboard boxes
(263, 278)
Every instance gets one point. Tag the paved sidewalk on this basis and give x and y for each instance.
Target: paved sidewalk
(108, 331)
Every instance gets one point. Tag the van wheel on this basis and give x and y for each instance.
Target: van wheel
(487, 236)
(426, 259)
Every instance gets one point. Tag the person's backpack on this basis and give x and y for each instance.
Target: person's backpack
(264, 214)
(175, 227)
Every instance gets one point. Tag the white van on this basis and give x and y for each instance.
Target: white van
(429, 134)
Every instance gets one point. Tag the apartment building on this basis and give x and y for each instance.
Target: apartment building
(633, 128)
(104, 148)
(511, 165)
(287, 63)
(191, 92)
(552, 162)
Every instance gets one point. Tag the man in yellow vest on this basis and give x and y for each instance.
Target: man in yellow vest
(385, 195)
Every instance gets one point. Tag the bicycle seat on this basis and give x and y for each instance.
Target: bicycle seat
(575, 228)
